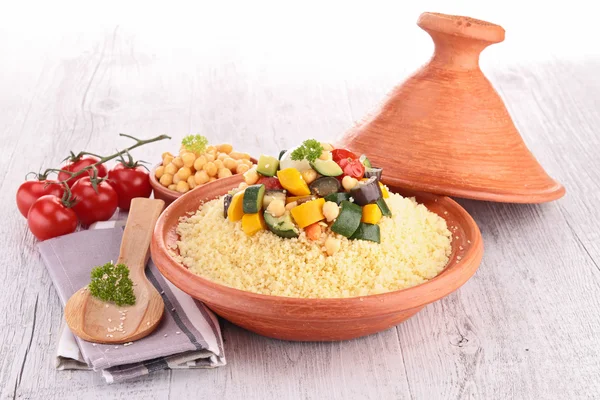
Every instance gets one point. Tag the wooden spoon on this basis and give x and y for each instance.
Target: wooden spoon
(100, 322)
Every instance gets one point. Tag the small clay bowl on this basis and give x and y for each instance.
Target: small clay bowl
(168, 196)
(302, 319)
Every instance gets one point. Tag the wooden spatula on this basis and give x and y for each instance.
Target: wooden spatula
(97, 321)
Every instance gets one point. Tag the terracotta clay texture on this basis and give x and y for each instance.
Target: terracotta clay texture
(317, 319)
(164, 194)
(446, 130)
(90, 319)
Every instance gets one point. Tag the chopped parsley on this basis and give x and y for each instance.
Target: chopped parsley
(110, 282)
(195, 143)
(310, 150)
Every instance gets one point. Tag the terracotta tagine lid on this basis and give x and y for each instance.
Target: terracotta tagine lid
(446, 130)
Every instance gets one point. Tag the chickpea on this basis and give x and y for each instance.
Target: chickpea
(178, 162)
(325, 155)
(251, 176)
(224, 173)
(210, 149)
(182, 187)
(166, 153)
(236, 155)
(330, 210)
(326, 146)
(309, 175)
(230, 163)
(167, 160)
(191, 181)
(172, 186)
(166, 179)
(242, 185)
(188, 159)
(184, 173)
(225, 148)
(176, 179)
(171, 169)
(183, 151)
(349, 182)
(201, 177)
(210, 168)
(247, 162)
(222, 156)
(209, 157)
(212, 179)
(199, 163)
(276, 208)
(242, 169)
(159, 172)
(332, 245)
(219, 164)
(291, 205)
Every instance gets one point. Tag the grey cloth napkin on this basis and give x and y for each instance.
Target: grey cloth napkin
(187, 337)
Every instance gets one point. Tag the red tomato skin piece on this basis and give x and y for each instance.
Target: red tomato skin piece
(271, 183)
(48, 218)
(129, 183)
(30, 191)
(339, 154)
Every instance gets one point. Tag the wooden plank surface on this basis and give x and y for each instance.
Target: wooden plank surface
(526, 326)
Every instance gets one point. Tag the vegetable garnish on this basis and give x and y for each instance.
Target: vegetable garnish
(310, 150)
(195, 143)
(110, 282)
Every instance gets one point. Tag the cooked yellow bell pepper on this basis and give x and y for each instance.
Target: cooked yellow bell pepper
(236, 209)
(308, 213)
(291, 180)
(252, 223)
(384, 192)
(371, 214)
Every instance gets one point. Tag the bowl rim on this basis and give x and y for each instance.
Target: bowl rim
(455, 273)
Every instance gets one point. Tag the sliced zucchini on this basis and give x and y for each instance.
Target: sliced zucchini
(366, 192)
(325, 186)
(368, 232)
(253, 199)
(365, 161)
(338, 197)
(327, 167)
(271, 195)
(281, 226)
(267, 165)
(348, 220)
(373, 171)
(226, 204)
(385, 210)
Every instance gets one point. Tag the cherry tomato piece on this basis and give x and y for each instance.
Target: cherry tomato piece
(91, 206)
(30, 191)
(270, 183)
(339, 154)
(354, 168)
(129, 182)
(78, 165)
(48, 217)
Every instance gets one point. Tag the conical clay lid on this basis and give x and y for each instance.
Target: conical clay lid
(445, 130)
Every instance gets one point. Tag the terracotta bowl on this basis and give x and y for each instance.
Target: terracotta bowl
(318, 319)
(162, 193)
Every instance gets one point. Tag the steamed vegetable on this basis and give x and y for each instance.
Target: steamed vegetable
(325, 186)
(368, 232)
(267, 165)
(236, 208)
(327, 168)
(253, 199)
(371, 214)
(366, 192)
(291, 180)
(309, 212)
(348, 220)
(252, 223)
(281, 226)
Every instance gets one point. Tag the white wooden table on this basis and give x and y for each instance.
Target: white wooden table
(526, 326)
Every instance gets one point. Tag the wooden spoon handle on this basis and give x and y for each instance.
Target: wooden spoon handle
(143, 215)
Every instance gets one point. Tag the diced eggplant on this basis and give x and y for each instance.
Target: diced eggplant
(226, 203)
(271, 195)
(325, 186)
(373, 171)
(366, 192)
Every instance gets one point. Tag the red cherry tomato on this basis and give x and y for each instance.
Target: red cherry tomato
(129, 182)
(90, 206)
(77, 164)
(48, 217)
(271, 183)
(30, 191)
(354, 168)
(339, 154)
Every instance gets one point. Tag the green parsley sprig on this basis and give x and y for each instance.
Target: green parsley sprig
(110, 282)
(310, 150)
(195, 143)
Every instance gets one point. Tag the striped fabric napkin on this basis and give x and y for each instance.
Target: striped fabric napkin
(187, 337)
